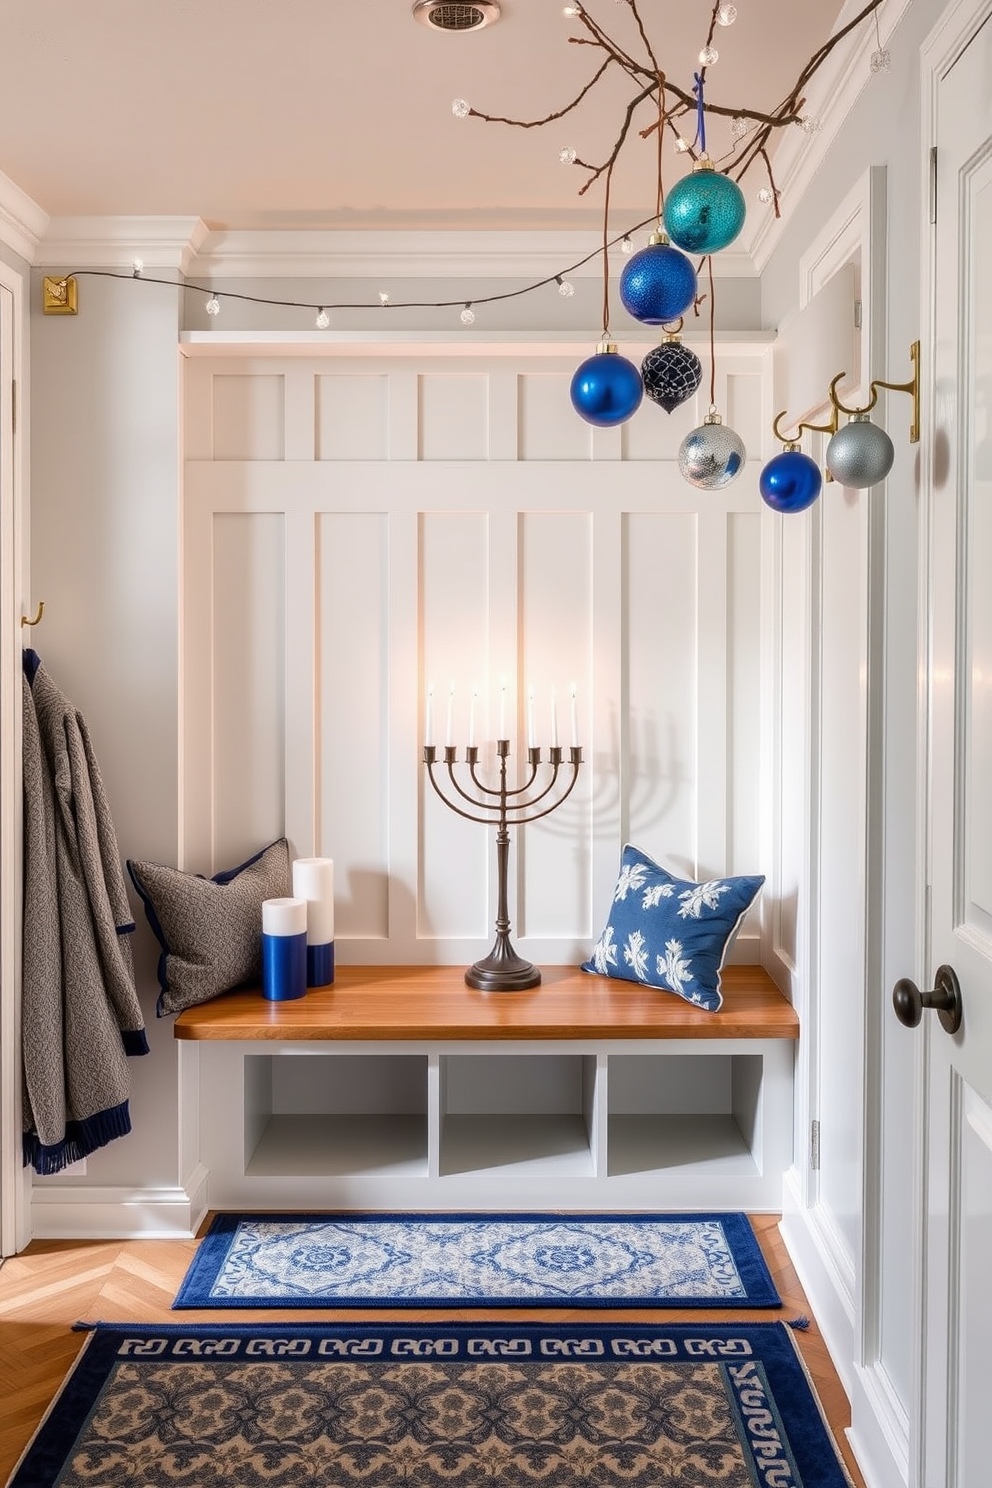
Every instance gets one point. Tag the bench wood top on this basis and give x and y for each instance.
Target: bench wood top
(432, 1003)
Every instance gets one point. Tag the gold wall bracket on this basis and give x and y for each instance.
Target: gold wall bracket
(912, 387)
(58, 296)
(788, 439)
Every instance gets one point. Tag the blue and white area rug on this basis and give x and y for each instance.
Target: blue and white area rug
(478, 1260)
(456, 1405)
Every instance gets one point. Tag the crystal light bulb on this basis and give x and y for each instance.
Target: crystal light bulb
(738, 128)
(137, 265)
(460, 108)
(565, 288)
(726, 15)
(626, 245)
(383, 297)
(213, 305)
(323, 319)
(571, 11)
(681, 145)
(567, 155)
(468, 316)
(881, 60)
(708, 56)
(765, 195)
(808, 124)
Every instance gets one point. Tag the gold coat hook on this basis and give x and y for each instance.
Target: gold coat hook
(830, 428)
(912, 387)
(37, 618)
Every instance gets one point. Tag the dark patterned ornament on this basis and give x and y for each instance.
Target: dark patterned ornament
(658, 283)
(671, 373)
(606, 388)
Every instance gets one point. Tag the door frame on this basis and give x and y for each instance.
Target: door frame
(957, 25)
(14, 1185)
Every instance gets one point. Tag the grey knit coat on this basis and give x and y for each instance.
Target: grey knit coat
(81, 1016)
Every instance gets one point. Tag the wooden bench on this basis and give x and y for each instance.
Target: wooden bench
(401, 1087)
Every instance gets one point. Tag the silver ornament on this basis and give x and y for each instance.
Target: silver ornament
(860, 454)
(711, 456)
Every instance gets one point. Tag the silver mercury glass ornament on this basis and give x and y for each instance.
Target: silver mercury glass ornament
(860, 454)
(711, 456)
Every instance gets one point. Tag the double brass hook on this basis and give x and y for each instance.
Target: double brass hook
(912, 387)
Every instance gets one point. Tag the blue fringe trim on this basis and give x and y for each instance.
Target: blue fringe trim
(81, 1138)
(800, 1323)
(135, 1041)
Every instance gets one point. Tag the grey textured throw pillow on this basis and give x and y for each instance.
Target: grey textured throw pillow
(210, 929)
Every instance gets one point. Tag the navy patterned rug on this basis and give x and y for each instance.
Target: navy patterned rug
(478, 1260)
(450, 1406)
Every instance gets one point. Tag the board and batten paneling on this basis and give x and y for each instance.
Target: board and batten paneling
(359, 527)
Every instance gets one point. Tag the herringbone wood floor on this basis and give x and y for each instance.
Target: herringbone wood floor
(56, 1283)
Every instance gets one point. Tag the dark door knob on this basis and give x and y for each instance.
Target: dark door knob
(945, 999)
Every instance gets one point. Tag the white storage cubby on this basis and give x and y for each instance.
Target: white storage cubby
(649, 1124)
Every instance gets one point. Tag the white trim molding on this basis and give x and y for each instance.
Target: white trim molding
(22, 221)
(64, 1211)
(115, 242)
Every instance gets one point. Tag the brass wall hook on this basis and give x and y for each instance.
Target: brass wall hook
(830, 428)
(912, 387)
(37, 618)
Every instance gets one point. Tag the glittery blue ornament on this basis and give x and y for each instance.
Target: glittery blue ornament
(658, 283)
(791, 481)
(606, 388)
(704, 211)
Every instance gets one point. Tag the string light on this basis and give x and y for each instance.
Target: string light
(766, 195)
(567, 155)
(808, 124)
(383, 298)
(467, 316)
(726, 15)
(323, 319)
(738, 128)
(565, 287)
(461, 108)
(681, 145)
(626, 244)
(212, 306)
(136, 267)
(708, 56)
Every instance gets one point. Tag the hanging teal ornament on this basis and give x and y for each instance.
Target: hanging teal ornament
(860, 454)
(791, 481)
(606, 388)
(671, 373)
(704, 211)
(711, 456)
(658, 283)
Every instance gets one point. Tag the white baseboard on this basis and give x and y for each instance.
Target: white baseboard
(825, 1275)
(879, 1433)
(76, 1212)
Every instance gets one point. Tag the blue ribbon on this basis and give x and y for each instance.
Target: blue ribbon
(700, 115)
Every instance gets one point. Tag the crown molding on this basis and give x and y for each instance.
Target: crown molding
(22, 222)
(385, 255)
(115, 242)
(833, 91)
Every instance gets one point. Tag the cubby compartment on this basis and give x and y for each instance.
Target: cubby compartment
(699, 1113)
(312, 1115)
(515, 1115)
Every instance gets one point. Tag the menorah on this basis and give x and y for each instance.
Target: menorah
(503, 970)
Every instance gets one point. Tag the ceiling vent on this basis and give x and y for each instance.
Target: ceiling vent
(446, 17)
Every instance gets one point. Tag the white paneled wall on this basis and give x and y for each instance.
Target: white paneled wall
(357, 527)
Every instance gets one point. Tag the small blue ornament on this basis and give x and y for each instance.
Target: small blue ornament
(606, 389)
(658, 283)
(791, 481)
(704, 211)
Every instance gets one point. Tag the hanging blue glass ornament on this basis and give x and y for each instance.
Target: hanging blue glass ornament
(860, 454)
(606, 388)
(791, 481)
(671, 373)
(712, 455)
(704, 211)
(658, 283)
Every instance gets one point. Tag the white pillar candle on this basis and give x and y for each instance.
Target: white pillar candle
(502, 710)
(554, 720)
(575, 718)
(531, 738)
(471, 716)
(313, 882)
(286, 916)
(449, 733)
(429, 715)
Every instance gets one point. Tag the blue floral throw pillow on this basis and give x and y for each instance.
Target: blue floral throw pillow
(671, 933)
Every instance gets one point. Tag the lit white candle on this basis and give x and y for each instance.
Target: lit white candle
(449, 735)
(429, 715)
(502, 710)
(575, 719)
(554, 720)
(471, 716)
(531, 739)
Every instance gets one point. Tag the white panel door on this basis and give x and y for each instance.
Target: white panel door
(958, 1341)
